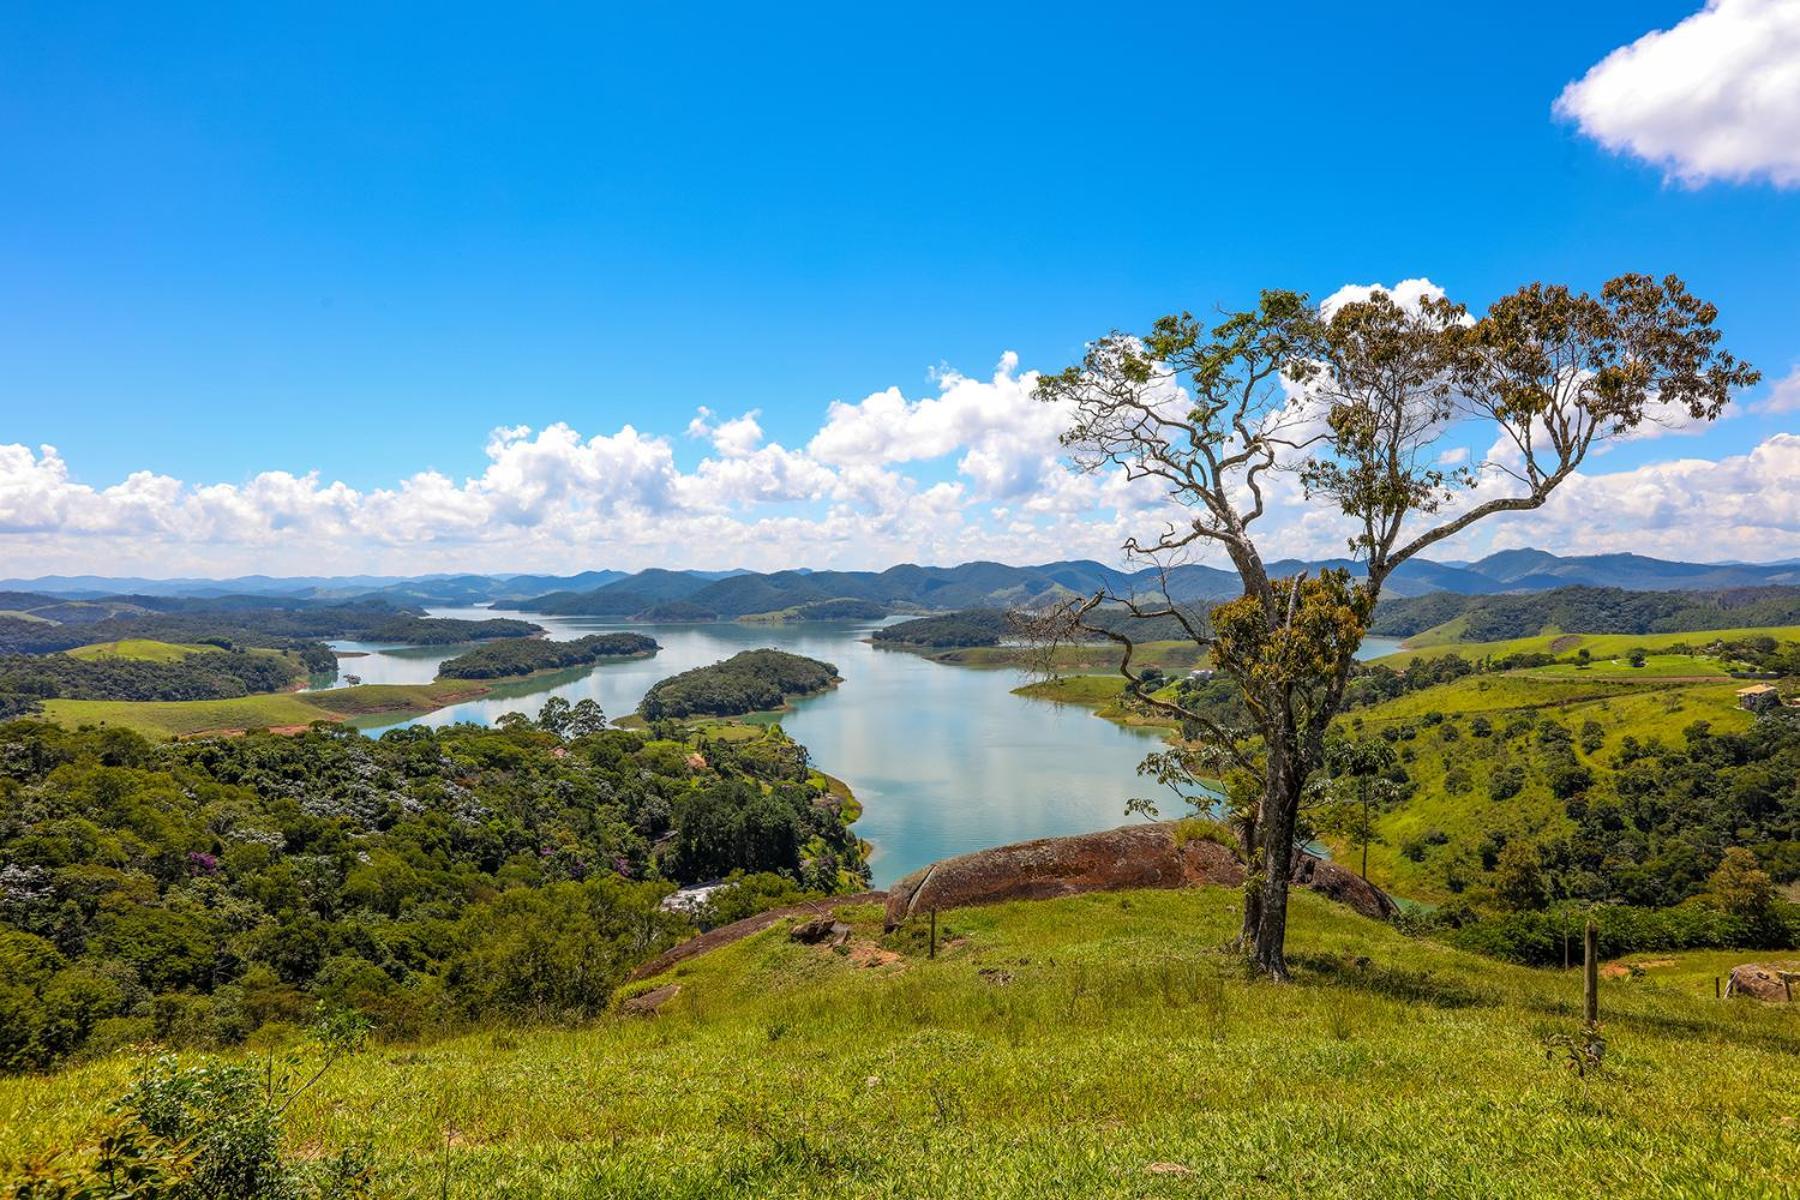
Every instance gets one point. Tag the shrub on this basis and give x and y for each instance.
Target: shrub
(1505, 782)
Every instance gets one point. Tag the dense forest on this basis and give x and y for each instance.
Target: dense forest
(841, 609)
(1588, 610)
(28, 680)
(752, 681)
(194, 892)
(972, 627)
(522, 656)
(447, 631)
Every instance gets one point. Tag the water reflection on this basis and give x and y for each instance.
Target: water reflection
(945, 759)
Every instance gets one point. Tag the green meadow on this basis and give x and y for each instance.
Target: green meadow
(1099, 1046)
(140, 649)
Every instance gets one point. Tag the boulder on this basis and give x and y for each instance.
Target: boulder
(1152, 855)
(820, 929)
(1761, 981)
(645, 1004)
(1344, 886)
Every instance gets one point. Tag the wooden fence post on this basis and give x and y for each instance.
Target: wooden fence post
(933, 952)
(1590, 971)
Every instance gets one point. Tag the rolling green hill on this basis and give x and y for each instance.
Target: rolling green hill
(140, 649)
(1099, 1046)
(1600, 645)
(278, 710)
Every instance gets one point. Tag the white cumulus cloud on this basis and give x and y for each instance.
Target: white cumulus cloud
(970, 470)
(1716, 97)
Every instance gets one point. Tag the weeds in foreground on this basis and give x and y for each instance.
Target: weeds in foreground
(211, 1130)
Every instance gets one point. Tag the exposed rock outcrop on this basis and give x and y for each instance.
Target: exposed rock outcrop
(645, 1004)
(1154, 855)
(1762, 981)
(820, 930)
(724, 935)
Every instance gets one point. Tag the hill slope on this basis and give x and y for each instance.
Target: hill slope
(1096, 1046)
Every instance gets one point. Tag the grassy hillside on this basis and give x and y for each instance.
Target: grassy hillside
(1453, 822)
(1096, 1046)
(1600, 645)
(141, 649)
(180, 718)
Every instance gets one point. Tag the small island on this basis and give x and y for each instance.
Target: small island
(525, 656)
(959, 630)
(753, 681)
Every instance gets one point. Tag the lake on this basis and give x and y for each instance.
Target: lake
(945, 759)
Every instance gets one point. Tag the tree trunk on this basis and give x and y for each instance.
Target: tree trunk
(1281, 805)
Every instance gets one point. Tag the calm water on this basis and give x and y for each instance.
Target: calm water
(945, 759)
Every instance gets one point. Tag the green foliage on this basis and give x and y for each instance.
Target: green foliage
(522, 656)
(447, 631)
(211, 1131)
(195, 892)
(746, 895)
(974, 627)
(750, 681)
(843, 609)
(26, 681)
(1542, 937)
(1495, 618)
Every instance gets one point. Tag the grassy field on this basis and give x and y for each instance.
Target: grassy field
(142, 649)
(1442, 639)
(1100, 1046)
(1656, 666)
(182, 718)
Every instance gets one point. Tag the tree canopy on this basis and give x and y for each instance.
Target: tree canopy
(1356, 403)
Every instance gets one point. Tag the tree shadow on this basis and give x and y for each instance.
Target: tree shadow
(1365, 975)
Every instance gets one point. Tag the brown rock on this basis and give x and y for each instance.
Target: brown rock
(1153, 855)
(645, 1004)
(724, 935)
(1344, 886)
(820, 929)
(1761, 981)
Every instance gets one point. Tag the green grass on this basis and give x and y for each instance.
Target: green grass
(1095, 690)
(1442, 639)
(1644, 710)
(183, 718)
(143, 649)
(1655, 666)
(1098, 1046)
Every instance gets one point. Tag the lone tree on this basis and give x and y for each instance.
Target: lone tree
(1354, 403)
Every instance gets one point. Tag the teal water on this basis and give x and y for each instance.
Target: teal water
(945, 759)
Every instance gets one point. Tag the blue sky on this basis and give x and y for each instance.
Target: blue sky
(355, 240)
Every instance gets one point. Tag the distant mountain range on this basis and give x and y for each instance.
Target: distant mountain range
(695, 595)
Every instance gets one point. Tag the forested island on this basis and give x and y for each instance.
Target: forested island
(973, 627)
(524, 656)
(752, 681)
